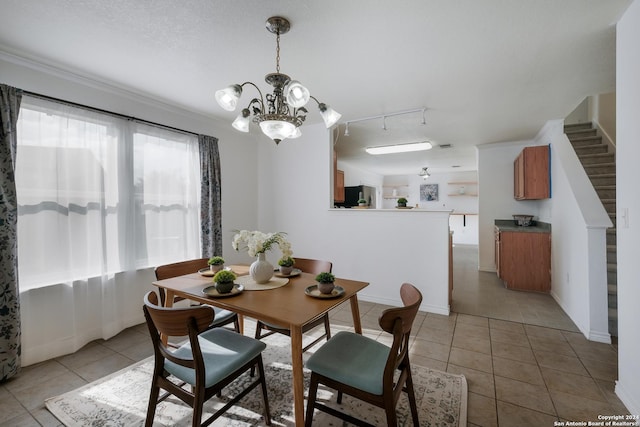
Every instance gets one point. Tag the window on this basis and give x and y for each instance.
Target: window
(99, 194)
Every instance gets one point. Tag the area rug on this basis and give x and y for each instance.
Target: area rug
(120, 399)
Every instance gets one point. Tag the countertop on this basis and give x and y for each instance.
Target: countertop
(509, 225)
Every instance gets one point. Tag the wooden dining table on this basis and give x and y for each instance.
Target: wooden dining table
(286, 305)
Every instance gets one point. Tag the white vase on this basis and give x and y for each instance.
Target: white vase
(261, 271)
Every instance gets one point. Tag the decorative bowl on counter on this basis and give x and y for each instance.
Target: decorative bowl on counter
(522, 220)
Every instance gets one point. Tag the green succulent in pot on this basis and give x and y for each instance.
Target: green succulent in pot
(216, 263)
(286, 261)
(224, 281)
(325, 282)
(286, 265)
(402, 202)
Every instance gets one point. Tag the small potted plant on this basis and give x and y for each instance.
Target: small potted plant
(224, 281)
(216, 263)
(362, 202)
(325, 282)
(402, 202)
(286, 265)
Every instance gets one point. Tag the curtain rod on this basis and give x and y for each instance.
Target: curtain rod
(111, 113)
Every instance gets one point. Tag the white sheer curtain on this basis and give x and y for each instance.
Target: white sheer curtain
(101, 200)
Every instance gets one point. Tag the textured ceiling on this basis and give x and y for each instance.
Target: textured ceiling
(486, 70)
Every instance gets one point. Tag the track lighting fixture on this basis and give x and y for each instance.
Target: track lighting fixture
(384, 118)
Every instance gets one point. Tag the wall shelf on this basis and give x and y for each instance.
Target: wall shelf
(401, 190)
(463, 188)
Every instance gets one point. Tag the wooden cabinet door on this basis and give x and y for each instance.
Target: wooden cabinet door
(497, 253)
(338, 193)
(518, 177)
(525, 260)
(532, 174)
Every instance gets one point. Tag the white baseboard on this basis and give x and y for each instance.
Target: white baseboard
(626, 398)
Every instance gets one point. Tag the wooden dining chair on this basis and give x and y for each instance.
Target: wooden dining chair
(209, 361)
(223, 317)
(367, 369)
(311, 266)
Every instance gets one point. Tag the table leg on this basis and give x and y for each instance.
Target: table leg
(170, 296)
(355, 312)
(298, 379)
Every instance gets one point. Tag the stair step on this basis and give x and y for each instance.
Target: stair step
(579, 133)
(602, 168)
(603, 179)
(591, 149)
(609, 205)
(611, 236)
(612, 267)
(598, 158)
(613, 314)
(586, 140)
(576, 126)
(612, 217)
(612, 254)
(605, 191)
(612, 289)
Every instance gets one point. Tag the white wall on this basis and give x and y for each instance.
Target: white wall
(382, 247)
(628, 200)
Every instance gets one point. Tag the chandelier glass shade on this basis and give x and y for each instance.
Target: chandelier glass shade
(281, 113)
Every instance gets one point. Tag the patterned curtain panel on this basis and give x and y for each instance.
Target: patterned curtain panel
(210, 197)
(10, 98)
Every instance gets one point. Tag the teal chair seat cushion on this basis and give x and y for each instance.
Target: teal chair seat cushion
(352, 359)
(222, 316)
(223, 351)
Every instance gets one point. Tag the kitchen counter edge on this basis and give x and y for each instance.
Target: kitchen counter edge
(509, 225)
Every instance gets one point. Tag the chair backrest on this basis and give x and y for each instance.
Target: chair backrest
(181, 268)
(398, 321)
(176, 322)
(313, 266)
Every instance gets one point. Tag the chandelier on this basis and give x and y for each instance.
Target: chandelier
(281, 113)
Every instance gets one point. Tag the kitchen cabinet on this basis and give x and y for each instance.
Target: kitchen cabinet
(531, 174)
(523, 257)
(338, 193)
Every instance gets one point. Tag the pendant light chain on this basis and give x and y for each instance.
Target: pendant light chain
(277, 51)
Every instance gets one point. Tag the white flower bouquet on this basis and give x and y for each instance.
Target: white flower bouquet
(257, 242)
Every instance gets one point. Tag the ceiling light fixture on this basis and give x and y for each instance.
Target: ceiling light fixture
(424, 173)
(384, 118)
(400, 148)
(283, 112)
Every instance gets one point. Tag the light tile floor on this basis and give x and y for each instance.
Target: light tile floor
(525, 362)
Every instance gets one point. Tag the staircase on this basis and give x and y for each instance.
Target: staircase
(600, 166)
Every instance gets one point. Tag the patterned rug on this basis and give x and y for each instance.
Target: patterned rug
(120, 399)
